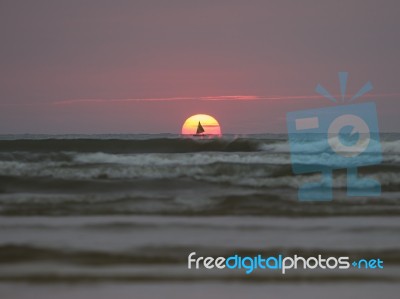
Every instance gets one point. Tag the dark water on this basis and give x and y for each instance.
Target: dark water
(117, 215)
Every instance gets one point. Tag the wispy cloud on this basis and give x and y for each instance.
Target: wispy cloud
(170, 99)
(166, 99)
(207, 98)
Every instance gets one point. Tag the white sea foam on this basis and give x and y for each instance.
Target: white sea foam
(202, 158)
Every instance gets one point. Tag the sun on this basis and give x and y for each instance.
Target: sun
(200, 125)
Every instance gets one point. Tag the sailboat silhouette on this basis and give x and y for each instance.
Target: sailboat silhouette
(200, 130)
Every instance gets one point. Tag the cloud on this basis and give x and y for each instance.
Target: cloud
(171, 99)
(206, 98)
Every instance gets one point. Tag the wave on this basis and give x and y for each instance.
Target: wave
(317, 144)
(175, 144)
(24, 263)
(260, 169)
(278, 202)
(159, 145)
(12, 253)
(171, 175)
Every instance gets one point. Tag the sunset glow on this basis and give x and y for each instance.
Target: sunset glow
(209, 123)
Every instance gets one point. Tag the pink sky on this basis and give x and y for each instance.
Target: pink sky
(177, 56)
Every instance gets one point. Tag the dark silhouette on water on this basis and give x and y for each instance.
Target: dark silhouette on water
(200, 130)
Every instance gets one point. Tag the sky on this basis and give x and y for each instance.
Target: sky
(98, 66)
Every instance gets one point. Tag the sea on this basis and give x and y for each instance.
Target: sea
(116, 216)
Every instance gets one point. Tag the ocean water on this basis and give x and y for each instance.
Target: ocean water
(95, 216)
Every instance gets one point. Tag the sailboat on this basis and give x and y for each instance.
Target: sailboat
(200, 130)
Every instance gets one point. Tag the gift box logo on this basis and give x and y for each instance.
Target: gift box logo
(345, 136)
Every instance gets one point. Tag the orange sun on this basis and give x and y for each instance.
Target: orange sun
(208, 125)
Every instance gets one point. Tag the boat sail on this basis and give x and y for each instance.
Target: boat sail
(200, 130)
